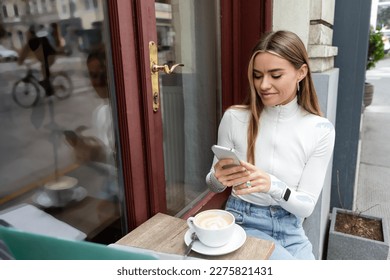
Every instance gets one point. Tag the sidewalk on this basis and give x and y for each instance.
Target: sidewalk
(373, 179)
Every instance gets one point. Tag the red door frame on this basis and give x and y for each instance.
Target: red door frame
(134, 118)
(132, 26)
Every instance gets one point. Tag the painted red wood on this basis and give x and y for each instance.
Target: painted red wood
(242, 23)
(127, 76)
(146, 32)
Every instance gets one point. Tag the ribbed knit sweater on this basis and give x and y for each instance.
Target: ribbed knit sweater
(293, 146)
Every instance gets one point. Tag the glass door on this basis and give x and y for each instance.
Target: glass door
(59, 165)
(187, 33)
(181, 110)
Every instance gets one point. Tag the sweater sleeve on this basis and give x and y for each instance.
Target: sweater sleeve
(224, 139)
(303, 199)
(213, 184)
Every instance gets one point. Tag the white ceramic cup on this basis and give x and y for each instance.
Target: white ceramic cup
(61, 191)
(214, 227)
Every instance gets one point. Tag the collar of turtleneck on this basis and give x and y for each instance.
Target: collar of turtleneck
(282, 111)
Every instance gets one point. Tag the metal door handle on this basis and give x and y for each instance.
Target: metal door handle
(154, 70)
(165, 68)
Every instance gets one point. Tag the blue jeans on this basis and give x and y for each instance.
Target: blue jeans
(275, 224)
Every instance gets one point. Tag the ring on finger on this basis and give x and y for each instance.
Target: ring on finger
(248, 184)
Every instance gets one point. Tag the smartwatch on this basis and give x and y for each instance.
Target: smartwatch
(286, 194)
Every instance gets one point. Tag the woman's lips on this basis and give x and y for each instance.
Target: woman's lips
(267, 94)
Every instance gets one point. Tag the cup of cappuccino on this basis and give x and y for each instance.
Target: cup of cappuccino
(214, 228)
(61, 191)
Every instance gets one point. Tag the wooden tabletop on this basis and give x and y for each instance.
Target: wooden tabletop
(165, 234)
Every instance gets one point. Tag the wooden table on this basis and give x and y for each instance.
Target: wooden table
(165, 234)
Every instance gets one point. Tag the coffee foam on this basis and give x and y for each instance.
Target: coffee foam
(62, 184)
(59, 185)
(213, 221)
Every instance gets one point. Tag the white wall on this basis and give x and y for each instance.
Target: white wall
(293, 16)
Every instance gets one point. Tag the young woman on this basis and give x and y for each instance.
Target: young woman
(284, 145)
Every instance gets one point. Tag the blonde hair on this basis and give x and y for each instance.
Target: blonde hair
(287, 45)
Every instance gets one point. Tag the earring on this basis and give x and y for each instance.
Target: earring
(298, 86)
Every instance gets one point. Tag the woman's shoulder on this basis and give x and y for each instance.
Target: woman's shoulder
(238, 113)
(319, 124)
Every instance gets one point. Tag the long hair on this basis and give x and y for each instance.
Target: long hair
(287, 45)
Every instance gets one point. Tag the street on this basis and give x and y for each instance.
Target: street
(380, 77)
(372, 193)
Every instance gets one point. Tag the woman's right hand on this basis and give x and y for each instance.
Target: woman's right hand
(86, 148)
(227, 174)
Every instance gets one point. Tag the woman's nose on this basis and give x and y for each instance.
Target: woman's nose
(265, 84)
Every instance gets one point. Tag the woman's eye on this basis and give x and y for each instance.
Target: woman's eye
(276, 76)
(257, 77)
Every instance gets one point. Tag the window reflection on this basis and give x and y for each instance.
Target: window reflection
(56, 118)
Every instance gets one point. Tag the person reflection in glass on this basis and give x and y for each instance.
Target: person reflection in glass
(44, 44)
(96, 144)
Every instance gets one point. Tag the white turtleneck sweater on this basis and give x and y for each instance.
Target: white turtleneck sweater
(293, 146)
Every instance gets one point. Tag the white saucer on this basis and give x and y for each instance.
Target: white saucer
(238, 239)
(42, 199)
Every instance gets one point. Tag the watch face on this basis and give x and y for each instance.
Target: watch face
(286, 195)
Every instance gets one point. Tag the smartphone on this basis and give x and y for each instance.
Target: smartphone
(223, 153)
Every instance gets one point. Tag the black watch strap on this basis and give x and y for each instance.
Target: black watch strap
(286, 194)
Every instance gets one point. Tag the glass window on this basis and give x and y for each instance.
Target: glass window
(57, 145)
(187, 32)
(44, 6)
(5, 12)
(16, 10)
(383, 16)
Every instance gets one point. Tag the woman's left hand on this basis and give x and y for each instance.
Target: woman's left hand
(256, 181)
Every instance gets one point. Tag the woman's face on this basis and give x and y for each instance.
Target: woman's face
(275, 79)
(97, 74)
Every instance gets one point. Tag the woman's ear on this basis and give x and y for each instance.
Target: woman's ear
(302, 72)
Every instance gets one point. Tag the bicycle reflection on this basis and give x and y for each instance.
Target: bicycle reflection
(26, 91)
